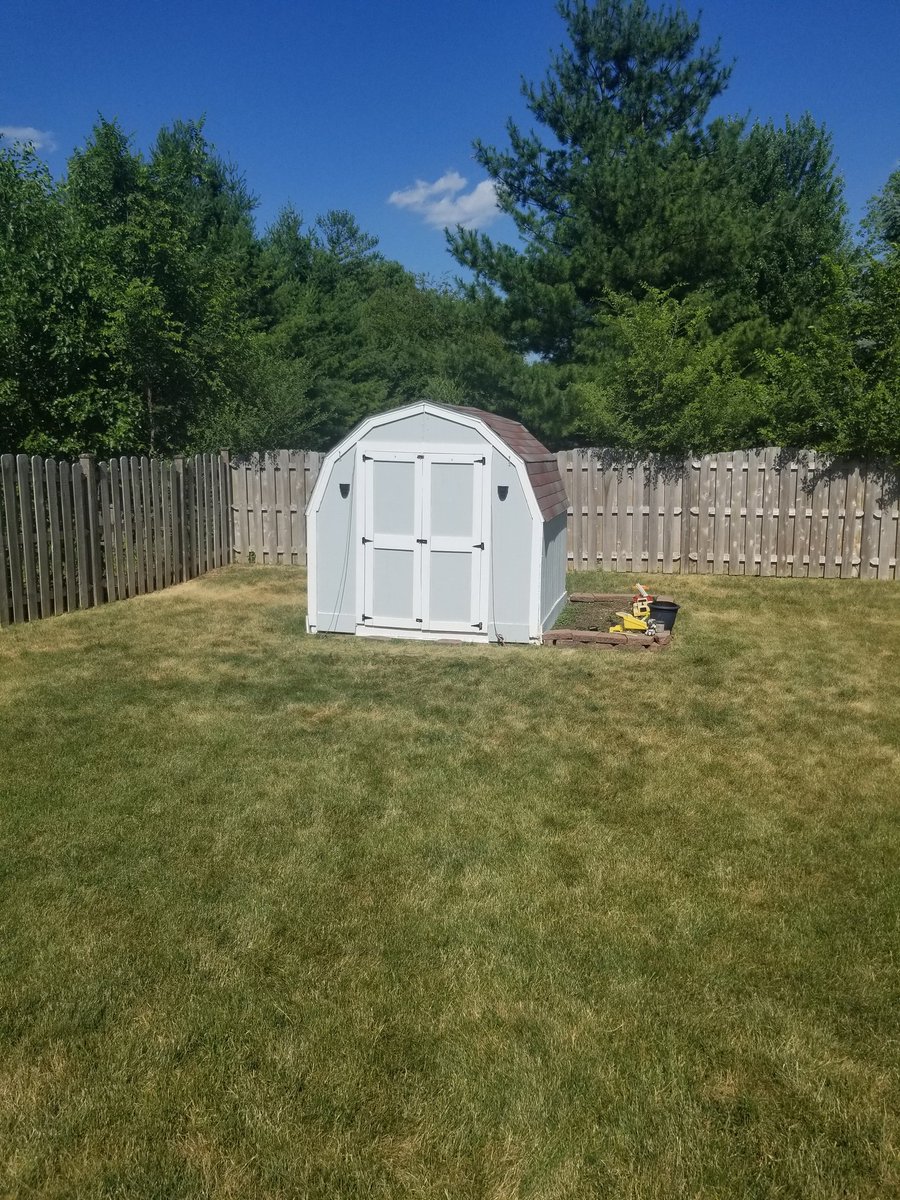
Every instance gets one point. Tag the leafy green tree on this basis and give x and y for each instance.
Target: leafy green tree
(651, 380)
(37, 330)
(840, 390)
(882, 222)
(371, 334)
(186, 173)
(631, 185)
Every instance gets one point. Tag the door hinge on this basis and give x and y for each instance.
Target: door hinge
(367, 540)
(480, 625)
(422, 541)
(478, 546)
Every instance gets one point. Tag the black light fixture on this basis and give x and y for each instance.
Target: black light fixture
(502, 490)
(345, 490)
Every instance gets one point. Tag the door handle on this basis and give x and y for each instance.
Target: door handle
(367, 540)
(478, 546)
(422, 541)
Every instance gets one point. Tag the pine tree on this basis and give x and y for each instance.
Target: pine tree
(631, 185)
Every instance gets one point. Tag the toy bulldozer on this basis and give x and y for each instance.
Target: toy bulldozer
(639, 619)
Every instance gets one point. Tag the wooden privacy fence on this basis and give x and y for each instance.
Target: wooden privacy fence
(742, 513)
(74, 535)
(746, 512)
(269, 496)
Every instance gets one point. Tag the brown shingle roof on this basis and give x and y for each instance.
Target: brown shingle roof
(540, 463)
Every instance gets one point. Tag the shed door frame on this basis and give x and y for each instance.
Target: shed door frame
(421, 543)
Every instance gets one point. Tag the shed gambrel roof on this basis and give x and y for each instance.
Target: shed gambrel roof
(540, 463)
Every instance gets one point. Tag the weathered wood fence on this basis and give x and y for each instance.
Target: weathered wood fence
(747, 512)
(269, 495)
(741, 513)
(74, 535)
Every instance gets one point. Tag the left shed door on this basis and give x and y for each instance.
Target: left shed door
(391, 500)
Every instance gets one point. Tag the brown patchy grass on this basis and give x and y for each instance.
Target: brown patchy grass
(286, 916)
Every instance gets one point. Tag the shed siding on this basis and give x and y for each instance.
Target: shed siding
(336, 552)
(424, 429)
(553, 571)
(510, 562)
(518, 543)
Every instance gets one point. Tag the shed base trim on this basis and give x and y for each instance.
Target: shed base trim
(419, 635)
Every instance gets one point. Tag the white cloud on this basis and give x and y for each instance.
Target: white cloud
(446, 202)
(42, 139)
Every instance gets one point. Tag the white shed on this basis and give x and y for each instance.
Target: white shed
(437, 522)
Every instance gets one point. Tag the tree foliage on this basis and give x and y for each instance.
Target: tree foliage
(682, 281)
(630, 185)
(882, 223)
(840, 390)
(651, 380)
(142, 311)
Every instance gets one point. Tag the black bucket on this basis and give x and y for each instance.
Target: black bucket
(664, 613)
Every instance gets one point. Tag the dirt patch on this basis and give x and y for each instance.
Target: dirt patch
(597, 616)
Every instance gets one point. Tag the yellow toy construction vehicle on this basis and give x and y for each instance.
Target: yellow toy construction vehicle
(639, 619)
(628, 622)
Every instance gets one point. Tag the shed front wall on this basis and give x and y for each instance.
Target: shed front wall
(515, 554)
(421, 430)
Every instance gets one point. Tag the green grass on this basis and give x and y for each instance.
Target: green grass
(320, 917)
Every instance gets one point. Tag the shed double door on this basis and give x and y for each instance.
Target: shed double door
(423, 543)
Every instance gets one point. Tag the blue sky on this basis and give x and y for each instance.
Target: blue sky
(346, 103)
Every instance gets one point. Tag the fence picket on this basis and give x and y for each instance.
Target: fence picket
(6, 610)
(82, 535)
(93, 525)
(127, 531)
(165, 521)
(51, 481)
(41, 534)
(26, 517)
(156, 512)
(69, 565)
(888, 532)
(109, 562)
(118, 528)
(135, 470)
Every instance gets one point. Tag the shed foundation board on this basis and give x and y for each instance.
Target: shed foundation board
(427, 635)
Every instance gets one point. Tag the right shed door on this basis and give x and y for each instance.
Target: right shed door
(454, 563)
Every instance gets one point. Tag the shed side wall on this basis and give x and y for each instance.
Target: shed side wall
(510, 563)
(553, 571)
(336, 551)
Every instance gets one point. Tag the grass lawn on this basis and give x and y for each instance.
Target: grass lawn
(285, 916)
